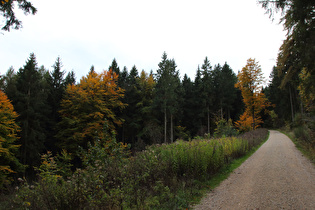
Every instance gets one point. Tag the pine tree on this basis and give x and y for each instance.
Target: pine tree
(56, 89)
(70, 79)
(279, 97)
(200, 106)
(166, 94)
(148, 131)
(188, 105)
(228, 91)
(114, 67)
(30, 103)
(132, 114)
(208, 93)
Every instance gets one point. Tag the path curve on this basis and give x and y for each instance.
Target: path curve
(276, 176)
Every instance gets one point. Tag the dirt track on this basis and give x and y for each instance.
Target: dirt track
(277, 176)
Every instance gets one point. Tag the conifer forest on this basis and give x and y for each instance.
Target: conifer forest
(126, 138)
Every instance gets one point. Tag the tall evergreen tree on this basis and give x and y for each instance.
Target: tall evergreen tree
(114, 67)
(199, 103)
(279, 97)
(8, 82)
(208, 92)
(30, 103)
(149, 132)
(56, 89)
(132, 114)
(188, 105)
(70, 78)
(228, 91)
(296, 55)
(166, 94)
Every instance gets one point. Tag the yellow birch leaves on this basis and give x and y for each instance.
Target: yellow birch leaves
(250, 81)
(8, 136)
(87, 107)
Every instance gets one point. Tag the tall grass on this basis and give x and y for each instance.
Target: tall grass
(161, 177)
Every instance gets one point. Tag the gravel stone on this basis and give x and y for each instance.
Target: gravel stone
(276, 176)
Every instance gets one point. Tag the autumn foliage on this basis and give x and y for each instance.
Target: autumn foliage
(8, 136)
(87, 106)
(250, 81)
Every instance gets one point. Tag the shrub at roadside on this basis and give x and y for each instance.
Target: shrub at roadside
(304, 134)
(161, 177)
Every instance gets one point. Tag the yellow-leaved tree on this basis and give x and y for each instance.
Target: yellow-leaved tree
(87, 107)
(8, 135)
(250, 81)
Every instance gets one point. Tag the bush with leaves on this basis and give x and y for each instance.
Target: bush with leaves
(225, 129)
(159, 177)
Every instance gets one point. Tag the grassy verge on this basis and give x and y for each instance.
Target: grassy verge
(305, 148)
(168, 176)
(224, 173)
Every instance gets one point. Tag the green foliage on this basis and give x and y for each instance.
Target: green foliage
(9, 163)
(29, 99)
(304, 134)
(295, 64)
(160, 177)
(7, 11)
(167, 94)
(86, 107)
(225, 129)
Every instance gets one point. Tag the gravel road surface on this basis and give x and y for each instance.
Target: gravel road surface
(276, 176)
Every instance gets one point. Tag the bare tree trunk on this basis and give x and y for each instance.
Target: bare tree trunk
(208, 120)
(221, 110)
(172, 134)
(291, 102)
(253, 118)
(229, 114)
(165, 125)
(26, 127)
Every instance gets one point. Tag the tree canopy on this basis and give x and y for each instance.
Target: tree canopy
(7, 11)
(8, 139)
(86, 108)
(250, 83)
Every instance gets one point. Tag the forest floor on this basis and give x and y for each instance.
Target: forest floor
(276, 176)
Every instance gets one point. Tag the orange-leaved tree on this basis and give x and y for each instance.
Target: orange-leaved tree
(8, 135)
(87, 107)
(250, 81)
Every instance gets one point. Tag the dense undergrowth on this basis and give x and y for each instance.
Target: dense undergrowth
(160, 177)
(302, 133)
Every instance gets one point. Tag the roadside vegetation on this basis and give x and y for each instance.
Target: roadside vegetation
(124, 139)
(167, 176)
(302, 133)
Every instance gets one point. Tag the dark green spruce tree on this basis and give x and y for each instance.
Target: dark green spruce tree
(70, 78)
(56, 89)
(167, 94)
(30, 103)
(225, 92)
(199, 104)
(131, 114)
(188, 106)
(279, 97)
(207, 92)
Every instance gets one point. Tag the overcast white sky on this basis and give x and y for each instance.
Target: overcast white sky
(137, 32)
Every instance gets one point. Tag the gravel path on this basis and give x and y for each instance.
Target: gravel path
(276, 176)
